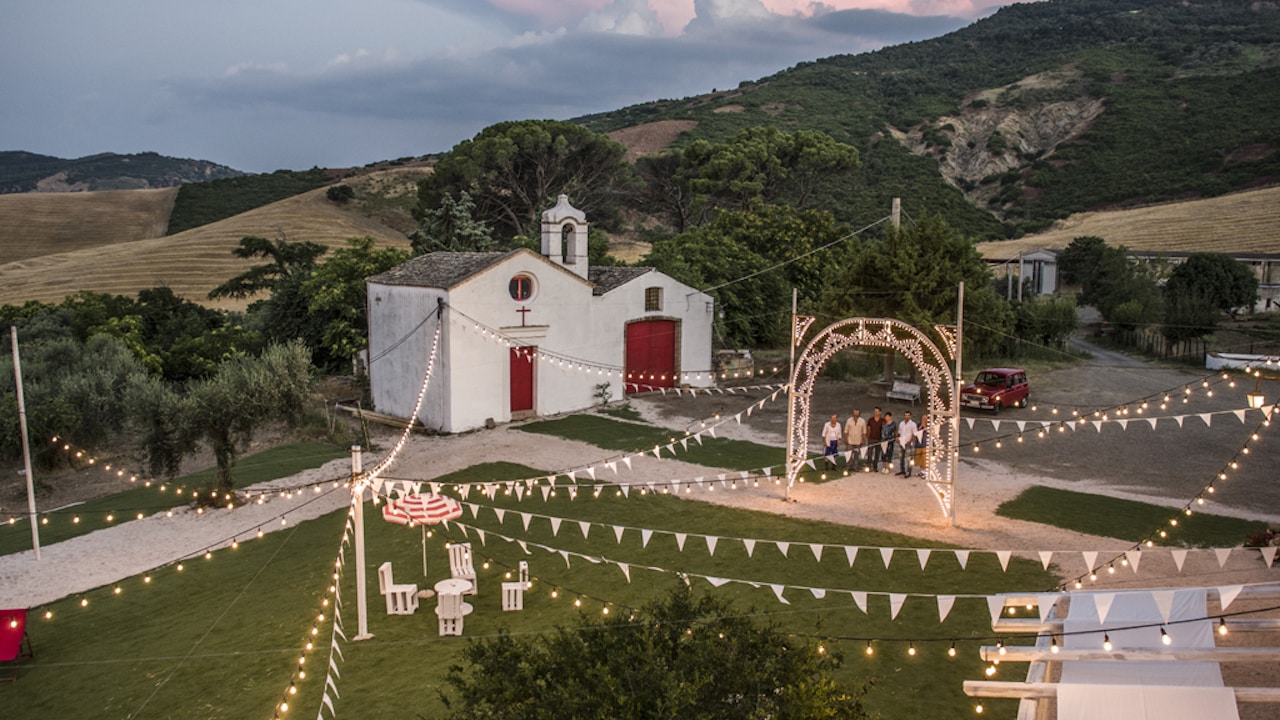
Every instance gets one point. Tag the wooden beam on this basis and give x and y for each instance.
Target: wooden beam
(1026, 653)
(1040, 691)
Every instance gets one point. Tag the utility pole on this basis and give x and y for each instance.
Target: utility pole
(954, 460)
(357, 506)
(791, 393)
(26, 445)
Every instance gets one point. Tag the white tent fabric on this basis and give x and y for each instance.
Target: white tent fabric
(1137, 690)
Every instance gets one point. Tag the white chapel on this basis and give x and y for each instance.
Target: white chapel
(524, 334)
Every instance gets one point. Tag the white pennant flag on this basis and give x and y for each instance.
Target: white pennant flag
(519, 492)
(617, 533)
(1090, 559)
(895, 604)
(1044, 603)
(573, 492)
(1134, 557)
(591, 472)
(479, 533)
(671, 448)
(585, 527)
(524, 546)
(627, 460)
(995, 425)
(969, 421)
(995, 605)
(1022, 425)
(500, 513)
(1164, 602)
(524, 518)
(626, 570)
(1097, 425)
(860, 599)
(818, 593)
(809, 462)
(944, 606)
(1239, 414)
(1179, 557)
(698, 436)
(680, 538)
(645, 534)
(715, 581)
(750, 545)
(711, 544)
(962, 556)
(886, 554)
(1152, 422)
(1045, 557)
(546, 492)
(783, 547)
(684, 443)
(1223, 554)
(777, 590)
(1124, 424)
(1207, 418)
(475, 510)
(328, 703)
(626, 490)
(1268, 554)
(565, 554)
(738, 417)
(1227, 595)
(922, 554)
(1179, 419)
(817, 551)
(851, 552)
(612, 465)
(1004, 559)
(1102, 602)
(555, 527)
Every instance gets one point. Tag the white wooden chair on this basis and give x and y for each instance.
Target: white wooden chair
(401, 599)
(513, 592)
(451, 610)
(460, 564)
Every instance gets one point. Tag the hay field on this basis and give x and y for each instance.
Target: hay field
(190, 263)
(35, 224)
(1245, 222)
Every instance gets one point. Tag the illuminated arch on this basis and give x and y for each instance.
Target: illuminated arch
(938, 385)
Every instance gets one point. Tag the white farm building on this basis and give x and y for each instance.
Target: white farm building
(525, 334)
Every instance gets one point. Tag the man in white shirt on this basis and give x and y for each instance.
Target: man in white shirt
(907, 431)
(855, 436)
(831, 433)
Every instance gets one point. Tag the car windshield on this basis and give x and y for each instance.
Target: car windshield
(988, 378)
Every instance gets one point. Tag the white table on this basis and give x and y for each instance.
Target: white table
(453, 586)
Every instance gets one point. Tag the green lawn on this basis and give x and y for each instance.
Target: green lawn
(121, 507)
(1125, 519)
(220, 639)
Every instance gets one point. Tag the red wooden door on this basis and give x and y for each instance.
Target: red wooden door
(651, 354)
(522, 378)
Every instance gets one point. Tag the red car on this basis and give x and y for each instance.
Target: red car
(995, 388)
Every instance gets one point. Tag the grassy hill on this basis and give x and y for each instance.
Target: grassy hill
(35, 224)
(1244, 222)
(190, 263)
(22, 172)
(1042, 110)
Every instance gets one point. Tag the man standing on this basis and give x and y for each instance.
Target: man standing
(888, 435)
(875, 430)
(855, 434)
(906, 444)
(831, 442)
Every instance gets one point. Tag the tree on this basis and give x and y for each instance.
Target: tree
(287, 258)
(678, 658)
(1048, 321)
(452, 227)
(224, 410)
(913, 275)
(1219, 279)
(514, 170)
(1079, 259)
(336, 293)
(765, 164)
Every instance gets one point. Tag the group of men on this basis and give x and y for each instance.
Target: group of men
(871, 442)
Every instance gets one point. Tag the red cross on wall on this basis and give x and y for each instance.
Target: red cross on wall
(524, 313)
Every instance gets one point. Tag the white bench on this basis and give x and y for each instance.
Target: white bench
(402, 599)
(904, 391)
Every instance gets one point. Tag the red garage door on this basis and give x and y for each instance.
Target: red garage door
(522, 378)
(651, 355)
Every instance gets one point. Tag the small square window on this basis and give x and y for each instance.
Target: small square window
(652, 299)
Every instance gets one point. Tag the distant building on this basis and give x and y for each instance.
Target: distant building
(528, 334)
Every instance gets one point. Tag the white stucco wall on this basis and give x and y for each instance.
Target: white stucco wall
(694, 311)
(395, 378)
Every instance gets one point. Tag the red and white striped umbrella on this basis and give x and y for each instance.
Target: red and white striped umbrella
(421, 509)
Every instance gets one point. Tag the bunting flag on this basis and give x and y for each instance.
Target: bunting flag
(1269, 554)
(818, 593)
(860, 599)
(645, 534)
(1090, 560)
(922, 554)
(716, 582)
(1045, 557)
(1223, 554)
(626, 570)
(585, 527)
(750, 545)
(777, 590)
(1004, 559)
(886, 554)
(711, 544)
(1179, 557)
(1045, 603)
(1133, 556)
(850, 552)
(1164, 602)
(963, 557)
(995, 605)
(617, 533)
(896, 601)
(944, 606)
(783, 547)
(680, 537)
(524, 520)
(817, 551)
(1227, 595)
(555, 527)
(1102, 602)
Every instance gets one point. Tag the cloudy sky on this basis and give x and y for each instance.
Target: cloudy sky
(267, 84)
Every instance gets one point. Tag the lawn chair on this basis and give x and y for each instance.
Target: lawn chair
(401, 599)
(460, 564)
(513, 592)
(451, 610)
(13, 640)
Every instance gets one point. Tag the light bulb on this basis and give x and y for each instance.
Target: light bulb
(1164, 637)
(1106, 642)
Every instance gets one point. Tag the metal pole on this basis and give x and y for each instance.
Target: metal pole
(357, 505)
(955, 401)
(26, 445)
(791, 393)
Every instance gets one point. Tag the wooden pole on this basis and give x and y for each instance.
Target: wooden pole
(954, 446)
(362, 589)
(791, 393)
(26, 445)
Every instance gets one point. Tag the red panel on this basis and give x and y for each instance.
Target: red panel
(651, 354)
(522, 378)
